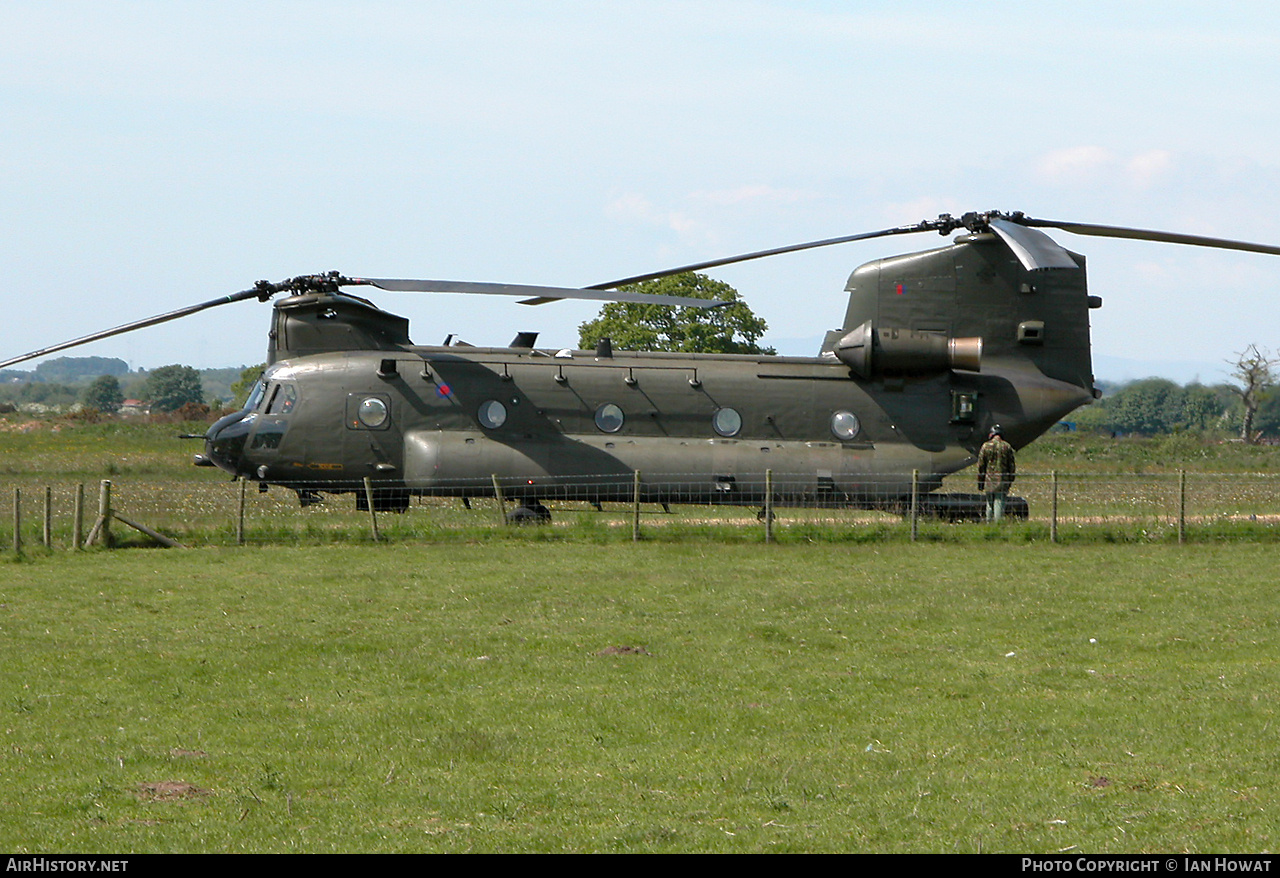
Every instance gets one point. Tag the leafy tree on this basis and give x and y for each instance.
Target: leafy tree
(1267, 421)
(36, 391)
(1255, 369)
(103, 394)
(241, 389)
(1202, 408)
(169, 388)
(1149, 406)
(68, 370)
(1156, 405)
(729, 329)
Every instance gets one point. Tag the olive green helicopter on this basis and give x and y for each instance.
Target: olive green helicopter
(935, 348)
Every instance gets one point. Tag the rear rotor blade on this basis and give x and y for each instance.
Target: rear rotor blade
(1035, 250)
(137, 324)
(1147, 235)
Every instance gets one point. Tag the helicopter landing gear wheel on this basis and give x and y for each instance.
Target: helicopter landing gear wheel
(529, 513)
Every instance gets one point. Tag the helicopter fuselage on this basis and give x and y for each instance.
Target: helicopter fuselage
(935, 348)
(699, 429)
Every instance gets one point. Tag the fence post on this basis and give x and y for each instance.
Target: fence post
(77, 525)
(1182, 506)
(497, 494)
(240, 511)
(768, 506)
(915, 504)
(101, 529)
(1053, 507)
(635, 506)
(17, 521)
(47, 532)
(373, 515)
(104, 510)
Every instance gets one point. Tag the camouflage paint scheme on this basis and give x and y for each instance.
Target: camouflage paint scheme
(918, 404)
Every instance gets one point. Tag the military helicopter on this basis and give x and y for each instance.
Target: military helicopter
(935, 347)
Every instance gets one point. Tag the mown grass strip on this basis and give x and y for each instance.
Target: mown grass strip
(806, 697)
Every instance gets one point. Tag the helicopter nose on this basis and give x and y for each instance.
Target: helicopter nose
(225, 439)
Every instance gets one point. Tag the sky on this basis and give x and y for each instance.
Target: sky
(158, 154)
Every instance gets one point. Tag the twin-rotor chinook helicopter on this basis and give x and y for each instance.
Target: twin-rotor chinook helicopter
(935, 348)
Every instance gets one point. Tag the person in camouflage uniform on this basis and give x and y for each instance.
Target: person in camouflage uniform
(996, 468)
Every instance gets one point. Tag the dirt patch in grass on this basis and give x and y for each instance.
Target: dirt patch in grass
(624, 650)
(169, 791)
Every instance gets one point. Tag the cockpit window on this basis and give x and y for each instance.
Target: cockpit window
(269, 434)
(255, 396)
(283, 398)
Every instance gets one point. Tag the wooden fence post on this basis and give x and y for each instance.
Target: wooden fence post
(240, 511)
(497, 495)
(373, 515)
(768, 506)
(77, 525)
(635, 507)
(101, 530)
(1053, 508)
(915, 504)
(47, 531)
(1182, 506)
(104, 510)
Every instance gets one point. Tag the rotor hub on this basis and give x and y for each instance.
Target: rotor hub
(329, 282)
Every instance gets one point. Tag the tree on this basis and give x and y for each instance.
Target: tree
(729, 329)
(1149, 406)
(68, 370)
(241, 388)
(103, 394)
(1201, 408)
(1255, 369)
(1267, 420)
(169, 388)
(1156, 405)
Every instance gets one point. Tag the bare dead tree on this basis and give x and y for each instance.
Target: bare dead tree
(1255, 369)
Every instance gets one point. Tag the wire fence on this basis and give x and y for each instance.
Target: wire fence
(1053, 506)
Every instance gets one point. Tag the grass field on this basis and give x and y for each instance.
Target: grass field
(463, 697)
(1109, 490)
(470, 687)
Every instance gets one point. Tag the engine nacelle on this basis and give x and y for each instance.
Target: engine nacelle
(870, 352)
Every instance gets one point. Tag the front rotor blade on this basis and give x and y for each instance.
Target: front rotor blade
(535, 295)
(137, 324)
(927, 226)
(1148, 235)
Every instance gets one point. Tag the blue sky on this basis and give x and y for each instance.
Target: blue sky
(157, 154)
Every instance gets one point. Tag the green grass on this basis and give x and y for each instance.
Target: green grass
(1110, 490)
(69, 449)
(802, 697)
(843, 690)
(1094, 453)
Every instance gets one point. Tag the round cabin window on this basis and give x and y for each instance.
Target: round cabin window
(373, 412)
(493, 414)
(726, 422)
(844, 425)
(609, 418)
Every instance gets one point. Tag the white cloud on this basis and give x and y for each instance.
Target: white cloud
(635, 208)
(759, 193)
(1097, 165)
(923, 208)
(1146, 168)
(1071, 164)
